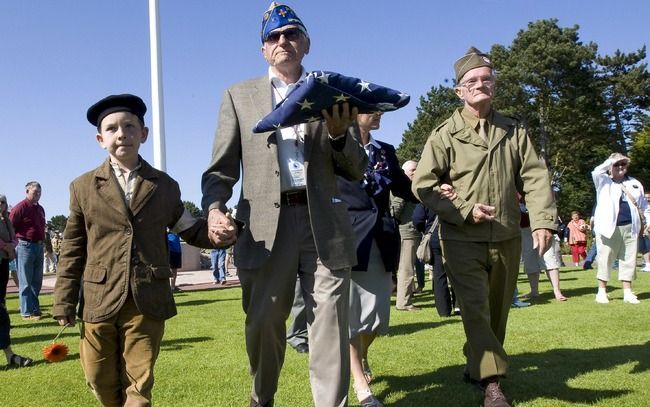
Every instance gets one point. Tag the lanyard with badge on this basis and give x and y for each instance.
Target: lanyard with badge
(297, 134)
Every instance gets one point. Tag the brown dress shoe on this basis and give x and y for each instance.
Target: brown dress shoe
(494, 397)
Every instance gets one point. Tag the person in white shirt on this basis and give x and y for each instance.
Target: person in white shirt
(620, 203)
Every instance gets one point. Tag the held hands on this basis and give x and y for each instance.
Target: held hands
(222, 229)
(482, 213)
(340, 120)
(542, 240)
(448, 192)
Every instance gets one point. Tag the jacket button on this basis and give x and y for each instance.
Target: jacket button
(127, 231)
(277, 205)
(277, 173)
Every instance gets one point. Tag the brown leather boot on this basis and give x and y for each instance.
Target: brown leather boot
(494, 397)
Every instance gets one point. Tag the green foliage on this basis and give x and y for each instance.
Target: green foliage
(193, 209)
(58, 222)
(626, 84)
(548, 77)
(575, 353)
(640, 156)
(438, 105)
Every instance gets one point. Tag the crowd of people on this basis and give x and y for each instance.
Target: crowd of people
(326, 218)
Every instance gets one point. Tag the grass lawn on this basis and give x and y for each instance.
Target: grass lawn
(576, 353)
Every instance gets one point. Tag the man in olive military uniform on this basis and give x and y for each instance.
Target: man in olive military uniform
(486, 158)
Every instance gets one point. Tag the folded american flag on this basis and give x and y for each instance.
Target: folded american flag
(320, 90)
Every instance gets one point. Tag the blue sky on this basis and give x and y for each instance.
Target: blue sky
(60, 56)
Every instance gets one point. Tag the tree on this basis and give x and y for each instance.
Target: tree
(58, 223)
(548, 78)
(193, 209)
(626, 84)
(640, 156)
(438, 105)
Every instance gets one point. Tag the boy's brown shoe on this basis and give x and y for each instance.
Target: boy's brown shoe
(494, 397)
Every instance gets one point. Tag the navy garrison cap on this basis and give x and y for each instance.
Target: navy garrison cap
(279, 15)
(116, 103)
(321, 90)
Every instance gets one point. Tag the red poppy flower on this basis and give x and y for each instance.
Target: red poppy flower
(55, 352)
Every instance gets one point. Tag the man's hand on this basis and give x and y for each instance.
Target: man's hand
(222, 229)
(67, 320)
(482, 213)
(542, 240)
(447, 192)
(340, 120)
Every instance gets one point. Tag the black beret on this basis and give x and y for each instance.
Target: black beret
(116, 103)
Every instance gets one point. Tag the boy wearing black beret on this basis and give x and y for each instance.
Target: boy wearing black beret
(115, 245)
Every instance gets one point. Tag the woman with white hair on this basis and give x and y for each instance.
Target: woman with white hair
(620, 206)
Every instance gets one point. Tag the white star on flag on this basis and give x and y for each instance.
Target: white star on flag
(324, 77)
(305, 104)
(341, 98)
(365, 86)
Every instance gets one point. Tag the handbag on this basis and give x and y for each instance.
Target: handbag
(631, 199)
(424, 252)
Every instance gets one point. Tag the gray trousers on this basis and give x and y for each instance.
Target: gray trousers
(267, 296)
(297, 332)
(406, 273)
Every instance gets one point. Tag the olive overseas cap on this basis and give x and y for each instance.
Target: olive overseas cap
(473, 58)
(116, 103)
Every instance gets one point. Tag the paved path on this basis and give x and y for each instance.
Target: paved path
(186, 281)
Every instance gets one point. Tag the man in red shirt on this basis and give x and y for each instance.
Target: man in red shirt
(28, 219)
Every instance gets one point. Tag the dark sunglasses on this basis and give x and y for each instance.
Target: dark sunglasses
(1, 202)
(291, 34)
(620, 164)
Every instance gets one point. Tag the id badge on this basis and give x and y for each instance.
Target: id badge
(297, 170)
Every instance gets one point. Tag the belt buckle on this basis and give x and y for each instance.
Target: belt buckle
(293, 198)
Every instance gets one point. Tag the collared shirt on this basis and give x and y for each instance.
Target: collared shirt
(371, 142)
(291, 145)
(474, 122)
(28, 220)
(126, 180)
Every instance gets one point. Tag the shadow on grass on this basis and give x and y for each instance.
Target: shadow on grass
(544, 375)
(203, 302)
(38, 360)
(46, 339)
(181, 343)
(548, 297)
(410, 328)
(43, 323)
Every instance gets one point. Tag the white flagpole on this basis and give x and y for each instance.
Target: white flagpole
(157, 111)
